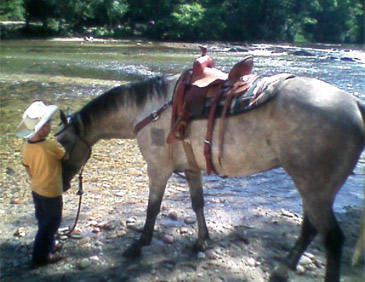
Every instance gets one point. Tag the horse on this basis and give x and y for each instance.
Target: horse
(313, 130)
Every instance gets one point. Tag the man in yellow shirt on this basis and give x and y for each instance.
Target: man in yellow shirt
(42, 161)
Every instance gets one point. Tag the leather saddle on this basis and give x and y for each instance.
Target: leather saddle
(203, 82)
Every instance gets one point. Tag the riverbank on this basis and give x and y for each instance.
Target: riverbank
(252, 220)
(245, 244)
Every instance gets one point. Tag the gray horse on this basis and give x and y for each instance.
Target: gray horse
(312, 129)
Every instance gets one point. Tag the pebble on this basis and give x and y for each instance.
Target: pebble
(168, 239)
(135, 226)
(94, 258)
(183, 230)
(20, 232)
(85, 263)
(251, 262)
(189, 220)
(173, 215)
(76, 236)
(121, 233)
(300, 270)
(130, 220)
(201, 255)
(95, 230)
(304, 261)
(16, 202)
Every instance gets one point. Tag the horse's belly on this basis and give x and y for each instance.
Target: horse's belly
(246, 145)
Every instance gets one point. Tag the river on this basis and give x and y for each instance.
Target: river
(71, 72)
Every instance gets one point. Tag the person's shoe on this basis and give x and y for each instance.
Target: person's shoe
(57, 247)
(53, 258)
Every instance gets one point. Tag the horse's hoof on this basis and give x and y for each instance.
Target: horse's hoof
(200, 246)
(280, 274)
(133, 251)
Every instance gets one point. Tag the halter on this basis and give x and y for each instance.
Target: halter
(80, 191)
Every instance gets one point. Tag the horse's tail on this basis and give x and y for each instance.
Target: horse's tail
(359, 248)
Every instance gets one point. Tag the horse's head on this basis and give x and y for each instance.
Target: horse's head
(70, 135)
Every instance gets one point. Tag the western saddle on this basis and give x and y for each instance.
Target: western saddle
(192, 90)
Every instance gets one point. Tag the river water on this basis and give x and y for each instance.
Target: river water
(70, 73)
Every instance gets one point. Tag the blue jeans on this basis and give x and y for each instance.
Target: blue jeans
(48, 212)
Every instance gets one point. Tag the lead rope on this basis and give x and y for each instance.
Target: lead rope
(80, 192)
(68, 231)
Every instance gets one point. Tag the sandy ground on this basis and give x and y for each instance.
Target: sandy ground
(244, 245)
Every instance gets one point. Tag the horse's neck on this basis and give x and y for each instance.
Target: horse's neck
(120, 124)
(116, 125)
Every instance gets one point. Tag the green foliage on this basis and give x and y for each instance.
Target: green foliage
(11, 10)
(186, 22)
(234, 20)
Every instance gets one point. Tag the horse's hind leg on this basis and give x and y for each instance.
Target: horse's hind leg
(307, 234)
(325, 222)
(194, 179)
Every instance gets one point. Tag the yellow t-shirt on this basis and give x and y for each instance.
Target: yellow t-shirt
(43, 158)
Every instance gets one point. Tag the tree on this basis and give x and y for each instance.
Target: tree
(11, 10)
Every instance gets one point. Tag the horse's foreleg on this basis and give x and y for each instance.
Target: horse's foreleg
(307, 234)
(156, 191)
(194, 179)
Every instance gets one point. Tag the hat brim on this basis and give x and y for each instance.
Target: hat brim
(23, 132)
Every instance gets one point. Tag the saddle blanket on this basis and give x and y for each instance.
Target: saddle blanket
(261, 91)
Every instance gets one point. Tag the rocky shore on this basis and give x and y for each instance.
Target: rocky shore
(245, 244)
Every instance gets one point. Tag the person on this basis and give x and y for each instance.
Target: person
(42, 160)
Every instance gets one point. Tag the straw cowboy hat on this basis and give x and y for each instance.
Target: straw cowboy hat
(34, 118)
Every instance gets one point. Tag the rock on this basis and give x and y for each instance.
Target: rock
(109, 226)
(309, 255)
(300, 270)
(201, 255)
(168, 239)
(304, 261)
(95, 230)
(286, 213)
(130, 220)
(251, 262)
(16, 201)
(173, 215)
(76, 236)
(183, 230)
(63, 230)
(301, 53)
(92, 223)
(121, 233)
(189, 220)
(62, 237)
(135, 226)
(94, 258)
(85, 263)
(20, 232)
(211, 254)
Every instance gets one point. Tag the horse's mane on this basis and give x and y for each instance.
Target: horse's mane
(131, 94)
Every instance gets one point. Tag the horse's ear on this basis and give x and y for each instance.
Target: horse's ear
(63, 117)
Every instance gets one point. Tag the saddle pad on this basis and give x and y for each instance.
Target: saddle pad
(260, 92)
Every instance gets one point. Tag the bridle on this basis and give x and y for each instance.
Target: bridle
(80, 192)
